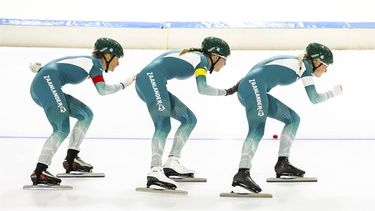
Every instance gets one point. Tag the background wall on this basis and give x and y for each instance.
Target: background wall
(263, 25)
(123, 115)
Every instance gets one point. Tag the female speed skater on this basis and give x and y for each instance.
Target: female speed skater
(253, 94)
(46, 91)
(162, 104)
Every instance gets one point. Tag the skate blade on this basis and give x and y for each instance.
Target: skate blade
(47, 187)
(188, 179)
(77, 174)
(157, 190)
(246, 195)
(293, 179)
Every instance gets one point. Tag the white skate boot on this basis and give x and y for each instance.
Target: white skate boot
(157, 177)
(173, 168)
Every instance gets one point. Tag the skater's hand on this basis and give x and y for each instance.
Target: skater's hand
(129, 81)
(232, 90)
(337, 90)
(35, 66)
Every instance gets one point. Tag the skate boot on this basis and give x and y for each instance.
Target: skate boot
(78, 165)
(157, 177)
(284, 168)
(243, 179)
(173, 168)
(45, 178)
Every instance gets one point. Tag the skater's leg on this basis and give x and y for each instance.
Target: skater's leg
(61, 129)
(253, 97)
(84, 115)
(162, 124)
(256, 123)
(281, 112)
(186, 117)
(250, 145)
(60, 124)
(46, 92)
(255, 134)
(153, 91)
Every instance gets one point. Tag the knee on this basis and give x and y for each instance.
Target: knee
(295, 119)
(292, 119)
(89, 115)
(192, 120)
(86, 114)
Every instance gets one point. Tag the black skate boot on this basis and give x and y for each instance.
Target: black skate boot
(243, 179)
(45, 178)
(284, 168)
(74, 163)
(77, 165)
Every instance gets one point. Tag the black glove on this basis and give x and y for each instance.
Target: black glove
(232, 90)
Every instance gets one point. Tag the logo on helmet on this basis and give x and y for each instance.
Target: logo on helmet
(108, 45)
(216, 45)
(322, 52)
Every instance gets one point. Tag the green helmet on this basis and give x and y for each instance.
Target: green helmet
(108, 45)
(322, 52)
(215, 45)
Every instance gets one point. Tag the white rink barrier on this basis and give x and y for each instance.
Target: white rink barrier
(174, 35)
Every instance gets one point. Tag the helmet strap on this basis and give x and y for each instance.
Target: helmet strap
(312, 63)
(108, 62)
(213, 63)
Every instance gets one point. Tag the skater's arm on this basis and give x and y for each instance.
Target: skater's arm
(106, 89)
(203, 87)
(316, 97)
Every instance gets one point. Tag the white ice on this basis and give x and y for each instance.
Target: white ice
(344, 170)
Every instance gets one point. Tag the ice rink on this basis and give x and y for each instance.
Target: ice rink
(344, 169)
(335, 142)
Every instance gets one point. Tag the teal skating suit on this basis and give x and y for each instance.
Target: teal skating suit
(259, 104)
(46, 91)
(162, 104)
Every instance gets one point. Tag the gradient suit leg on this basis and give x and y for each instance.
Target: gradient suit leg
(84, 115)
(256, 105)
(281, 112)
(186, 117)
(153, 91)
(61, 129)
(46, 92)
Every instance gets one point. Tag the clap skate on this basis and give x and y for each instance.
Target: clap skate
(286, 172)
(78, 168)
(175, 171)
(156, 177)
(242, 179)
(45, 181)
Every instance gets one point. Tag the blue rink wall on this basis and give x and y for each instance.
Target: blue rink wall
(241, 35)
